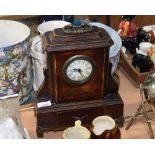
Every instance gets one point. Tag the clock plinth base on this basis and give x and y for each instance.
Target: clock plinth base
(60, 116)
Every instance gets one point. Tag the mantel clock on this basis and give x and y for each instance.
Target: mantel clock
(78, 79)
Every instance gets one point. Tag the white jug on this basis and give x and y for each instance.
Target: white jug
(76, 132)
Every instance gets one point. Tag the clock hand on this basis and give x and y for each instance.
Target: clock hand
(80, 71)
(75, 70)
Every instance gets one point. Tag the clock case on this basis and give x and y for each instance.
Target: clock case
(98, 96)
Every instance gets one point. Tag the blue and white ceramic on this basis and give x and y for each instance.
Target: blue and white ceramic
(15, 63)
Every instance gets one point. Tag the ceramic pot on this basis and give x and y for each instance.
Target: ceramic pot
(51, 25)
(104, 127)
(76, 132)
(15, 63)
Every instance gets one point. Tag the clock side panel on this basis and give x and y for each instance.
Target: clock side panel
(92, 89)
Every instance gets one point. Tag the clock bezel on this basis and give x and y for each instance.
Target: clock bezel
(78, 57)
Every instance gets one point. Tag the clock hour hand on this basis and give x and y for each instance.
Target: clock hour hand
(75, 70)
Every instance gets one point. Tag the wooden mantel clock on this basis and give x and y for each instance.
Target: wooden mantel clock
(78, 79)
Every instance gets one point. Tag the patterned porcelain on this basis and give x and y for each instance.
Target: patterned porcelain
(15, 63)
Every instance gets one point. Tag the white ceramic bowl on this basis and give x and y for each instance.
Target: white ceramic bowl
(144, 46)
(51, 25)
(103, 123)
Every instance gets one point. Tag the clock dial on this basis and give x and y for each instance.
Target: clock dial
(78, 69)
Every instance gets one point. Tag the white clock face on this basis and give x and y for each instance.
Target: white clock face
(78, 69)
